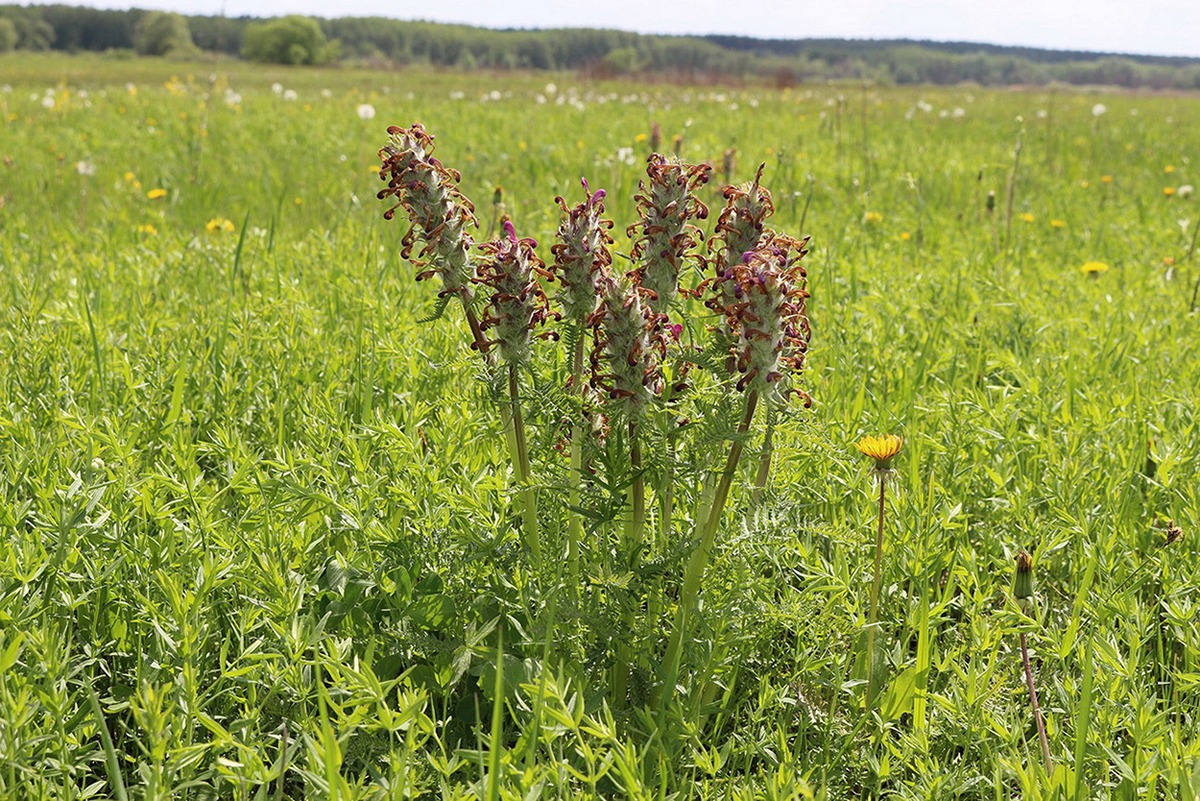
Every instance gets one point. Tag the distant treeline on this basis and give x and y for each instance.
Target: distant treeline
(602, 53)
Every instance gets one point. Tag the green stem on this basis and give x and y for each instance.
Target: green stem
(1188, 259)
(575, 521)
(694, 572)
(635, 534)
(520, 457)
(876, 581)
(764, 462)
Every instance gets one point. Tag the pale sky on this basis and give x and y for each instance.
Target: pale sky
(1153, 27)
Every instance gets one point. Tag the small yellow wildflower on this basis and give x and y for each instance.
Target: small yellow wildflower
(1084, 184)
(298, 201)
(1106, 179)
(1094, 268)
(155, 194)
(1168, 190)
(905, 236)
(1027, 217)
(130, 177)
(1170, 168)
(522, 145)
(1058, 223)
(873, 217)
(641, 138)
(147, 229)
(217, 224)
(881, 449)
(1168, 260)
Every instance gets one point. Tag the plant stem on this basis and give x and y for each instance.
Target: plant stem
(635, 528)
(764, 461)
(1010, 191)
(1037, 709)
(876, 581)
(690, 592)
(575, 522)
(521, 463)
(1188, 259)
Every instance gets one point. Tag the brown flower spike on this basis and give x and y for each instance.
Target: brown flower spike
(439, 213)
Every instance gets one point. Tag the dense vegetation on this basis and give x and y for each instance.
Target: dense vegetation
(260, 535)
(603, 53)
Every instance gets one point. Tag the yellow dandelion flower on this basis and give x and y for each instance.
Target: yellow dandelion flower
(881, 449)
(1058, 223)
(873, 217)
(147, 229)
(1084, 184)
(218, 224)
(1094, 268)
(130, 177)
(1170, 168)
(298, 201)
(1027, 217)
(641, 138)
(155, 194)
(905, 236)
(1106, 179)
(1168, 190)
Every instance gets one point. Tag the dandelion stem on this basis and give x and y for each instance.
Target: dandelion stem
(694, 573)
(1010, 191)
(876, 581)
(1188, 258)
(1037, 709)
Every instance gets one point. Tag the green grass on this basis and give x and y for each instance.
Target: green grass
(258, 530)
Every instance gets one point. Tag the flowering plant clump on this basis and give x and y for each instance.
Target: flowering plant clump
(518, 304)
(618, 326)
(582, 256)
(439, 213)
(667, 203)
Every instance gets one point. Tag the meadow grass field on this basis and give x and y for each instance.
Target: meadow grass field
(262, 536)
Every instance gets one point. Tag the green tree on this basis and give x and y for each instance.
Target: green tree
(288, 40)
(161, 33)
(8, 35)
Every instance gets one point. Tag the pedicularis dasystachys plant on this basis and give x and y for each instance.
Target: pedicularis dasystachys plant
(646, 330)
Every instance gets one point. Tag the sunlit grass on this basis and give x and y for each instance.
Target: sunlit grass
(264, 514)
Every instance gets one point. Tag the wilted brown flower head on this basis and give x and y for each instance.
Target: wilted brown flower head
(762, 299)
(517, 305)
(438, 212)
(665, 239)
(582, 255)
